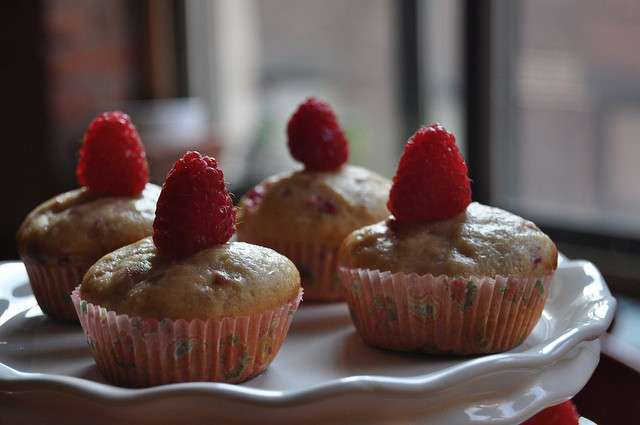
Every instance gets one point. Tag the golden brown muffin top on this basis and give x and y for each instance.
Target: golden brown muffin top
(232, 279)
(482, 241)
(320, 206)
(79, 225)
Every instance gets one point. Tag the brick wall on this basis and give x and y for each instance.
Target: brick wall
(63, 61)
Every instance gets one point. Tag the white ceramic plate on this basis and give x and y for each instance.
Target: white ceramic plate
(323, 374)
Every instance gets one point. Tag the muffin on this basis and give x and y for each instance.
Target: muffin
(306, 214)
(187, 305)
(443, 275)
(61, 238)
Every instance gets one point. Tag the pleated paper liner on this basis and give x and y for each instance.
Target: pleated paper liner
(137, 352)
(52, 285)
(317, 263)
(409, 312)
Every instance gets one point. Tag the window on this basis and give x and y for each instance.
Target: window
(565, 109)
(574, 104)
(255, 61)
(563, 104)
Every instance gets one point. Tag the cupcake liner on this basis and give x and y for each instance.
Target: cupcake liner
(318, 266)
(139, 352)
(52, 285)
(442, 315)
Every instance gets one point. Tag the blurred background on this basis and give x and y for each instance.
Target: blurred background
(543, 95)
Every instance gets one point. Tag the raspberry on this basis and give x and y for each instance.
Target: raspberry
(112, 158)
(316, 138)
(194, 209)
(560, 414)
(431, 182)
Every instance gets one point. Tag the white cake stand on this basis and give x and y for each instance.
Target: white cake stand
(324, 373)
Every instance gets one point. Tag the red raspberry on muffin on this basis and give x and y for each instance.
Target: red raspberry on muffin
(112, 158)
(316, 138)
(194, 210)
(431, 182)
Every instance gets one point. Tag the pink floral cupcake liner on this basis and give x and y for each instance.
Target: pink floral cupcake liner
(52, 285)
(318, 266)
(138, 352)
(409, 312)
